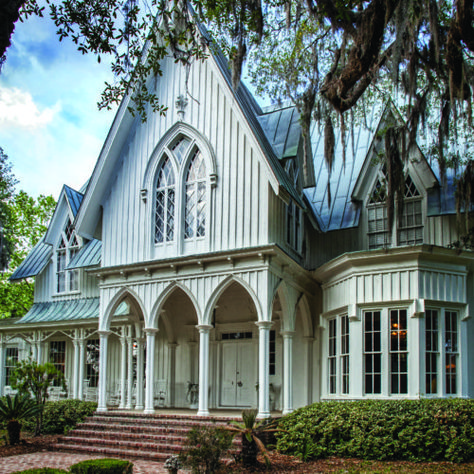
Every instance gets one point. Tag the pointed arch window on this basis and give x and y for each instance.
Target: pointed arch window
(67, 280)
(165, 203)
(195, 199)
(409, 226)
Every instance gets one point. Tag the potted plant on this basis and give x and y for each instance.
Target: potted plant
(193, 395)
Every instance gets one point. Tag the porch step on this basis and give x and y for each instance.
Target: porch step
(135, 435)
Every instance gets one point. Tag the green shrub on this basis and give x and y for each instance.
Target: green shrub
(42, 470)
(414, 430)
(102, 466)
(60, 417)
(205, 447)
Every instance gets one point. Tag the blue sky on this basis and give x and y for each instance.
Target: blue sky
(50, 126)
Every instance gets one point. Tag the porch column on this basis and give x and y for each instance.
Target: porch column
(34, 348)
(123, 371)
(309, 368)
(82, 362)
(140, 378)
(263, 368)
(150, 370)
(203, 369)
(39, 351)
(130, 369)
(2, 363)
(287, 371)
(104, 338)
(172, 375)
(75, 343)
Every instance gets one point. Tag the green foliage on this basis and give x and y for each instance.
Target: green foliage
(42, 470)
(252, 432)
(62, 416)
(15, 410)
(31, 377)
(413, 430)
(205, 447)
(102, 466)
(23, 220)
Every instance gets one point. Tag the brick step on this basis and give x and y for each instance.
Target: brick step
(130, 421)
(172, 438)
(117, 428)
(163, 416)
(115, 451)
(125, 444)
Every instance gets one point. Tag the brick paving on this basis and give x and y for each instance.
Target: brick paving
(64, 460)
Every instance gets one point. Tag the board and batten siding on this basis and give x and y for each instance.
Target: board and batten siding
(240, 198)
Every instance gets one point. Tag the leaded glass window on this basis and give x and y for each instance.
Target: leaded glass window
(68, 246)
(195, 199)
(165, 203)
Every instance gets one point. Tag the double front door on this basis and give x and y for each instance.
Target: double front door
(239, 372)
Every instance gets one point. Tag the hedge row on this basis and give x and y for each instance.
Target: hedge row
(92, 466)
(414, 430)
(60, 417)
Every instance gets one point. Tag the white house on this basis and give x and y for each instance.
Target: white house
(202, 255)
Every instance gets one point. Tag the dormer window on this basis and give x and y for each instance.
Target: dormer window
(67, 280)
(407, 229)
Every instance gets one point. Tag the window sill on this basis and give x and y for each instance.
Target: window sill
(66, 293)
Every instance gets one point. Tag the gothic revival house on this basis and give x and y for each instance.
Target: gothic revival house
(204, 262)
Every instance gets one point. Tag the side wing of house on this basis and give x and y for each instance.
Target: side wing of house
(396, 302)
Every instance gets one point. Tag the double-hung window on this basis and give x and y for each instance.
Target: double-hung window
(11, 361)
(408, 226)
(338, 355)
(441, 352)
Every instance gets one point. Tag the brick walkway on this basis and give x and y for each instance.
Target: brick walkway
(64, 460)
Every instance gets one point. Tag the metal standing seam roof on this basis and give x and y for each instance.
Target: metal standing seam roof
(88, 256)
(67, 310)
(74, 198)
(34, 262)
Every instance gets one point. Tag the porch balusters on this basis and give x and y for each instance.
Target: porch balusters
(104, 338)
(140, 379)
(123, 370)
(287, 371)
(263, 368)
(150, 369)
(203, 369)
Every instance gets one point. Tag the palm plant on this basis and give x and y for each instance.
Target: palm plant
(251, 431)
(14, 410)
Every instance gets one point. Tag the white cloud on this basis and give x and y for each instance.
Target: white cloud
(18, 109)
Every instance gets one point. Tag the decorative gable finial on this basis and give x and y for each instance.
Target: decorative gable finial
(181, 104)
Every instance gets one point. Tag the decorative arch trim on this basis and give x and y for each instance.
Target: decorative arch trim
(158, 306)
(197, 139)
(122, 294)
(288, 313)
(305, 311)
(219, 290)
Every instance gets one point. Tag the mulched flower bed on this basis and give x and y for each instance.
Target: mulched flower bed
(28, 444)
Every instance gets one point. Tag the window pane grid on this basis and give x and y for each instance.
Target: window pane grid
(379, 236)
(345, 354)
(451, 351)
(332, 355)
(432, 352)
(195, 208)
(372, 352)
(398, 351)
(57, 355)
(11, 361)
(164, 203)
(410, 228)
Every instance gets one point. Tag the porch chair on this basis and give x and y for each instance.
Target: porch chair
(160, 392)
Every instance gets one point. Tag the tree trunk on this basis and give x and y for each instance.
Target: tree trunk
(14, 430)
(249, 451)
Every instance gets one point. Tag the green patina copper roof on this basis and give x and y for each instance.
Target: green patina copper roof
(67, 310)
(88, 256)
